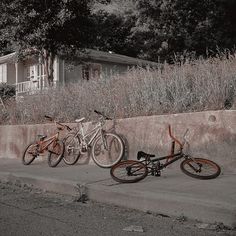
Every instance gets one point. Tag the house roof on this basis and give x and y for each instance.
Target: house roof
(90, 54)
(115, 58)
(7, 58)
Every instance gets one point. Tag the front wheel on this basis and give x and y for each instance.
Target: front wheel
(107, 150)
(129, 171)
(55, 153)
(72, 149)
(30, 153)
(200, 168)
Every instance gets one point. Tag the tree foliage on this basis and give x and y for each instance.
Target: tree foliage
(168, 26)
(45, 27)
(114, 21)
(149, 29)
(158, 29)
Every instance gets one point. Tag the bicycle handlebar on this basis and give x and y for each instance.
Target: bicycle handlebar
(101, 114)
(48, 117)
(57, 123)
(66, 126)
(175, 139)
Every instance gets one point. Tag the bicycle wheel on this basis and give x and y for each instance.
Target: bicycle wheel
(72, 149)
(200, 168)
(55, 153)
(30, 153)
(129, 171)
(107, 150)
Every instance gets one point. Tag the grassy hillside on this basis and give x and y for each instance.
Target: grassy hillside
(195, 85)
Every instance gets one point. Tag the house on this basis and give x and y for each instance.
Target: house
(28, 76)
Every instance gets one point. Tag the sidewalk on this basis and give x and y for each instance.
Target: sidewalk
(173, 193)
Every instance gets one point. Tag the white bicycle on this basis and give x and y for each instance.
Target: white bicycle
(107, 148)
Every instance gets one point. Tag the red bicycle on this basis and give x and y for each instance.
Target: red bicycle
(131, 171)
(52, 144)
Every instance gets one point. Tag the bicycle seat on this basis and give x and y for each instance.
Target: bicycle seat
(142, 154)
(80, 120)
(41, 137)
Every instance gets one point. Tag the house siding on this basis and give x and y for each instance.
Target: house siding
(74, 73)
(110, 69)
(11, 74)
(21, 72)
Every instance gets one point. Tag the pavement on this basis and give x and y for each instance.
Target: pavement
(172, 194)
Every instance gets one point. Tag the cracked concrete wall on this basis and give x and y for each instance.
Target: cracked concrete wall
(211, 134)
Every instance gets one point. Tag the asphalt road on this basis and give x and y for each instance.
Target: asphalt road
(25, 212)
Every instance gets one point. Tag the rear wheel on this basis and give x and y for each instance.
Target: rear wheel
(200, 168)
(129, 171)
(55, 153)
(72, 149)
(30, 153)
(107, 150)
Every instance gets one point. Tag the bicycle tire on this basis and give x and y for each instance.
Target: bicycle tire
(55, 153)
(187, 166)
(33, 151)
(129, 171)
(72, 143)
(113, 154)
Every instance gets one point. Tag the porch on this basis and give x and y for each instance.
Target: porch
(32, 87)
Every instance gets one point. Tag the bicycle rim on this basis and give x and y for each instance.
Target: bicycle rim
(129, 171)
(200, 168)
(72, 150)
(30, 153)
(56, 152)
(107, 151)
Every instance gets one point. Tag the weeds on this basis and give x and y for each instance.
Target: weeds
(195, 85)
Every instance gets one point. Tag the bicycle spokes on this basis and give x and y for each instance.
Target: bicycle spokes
(107, 150)
(30, 153)
(200, 168)
(129, 171)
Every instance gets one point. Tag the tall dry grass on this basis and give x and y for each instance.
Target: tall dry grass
(195, 85)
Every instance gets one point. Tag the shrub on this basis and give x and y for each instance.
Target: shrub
(7, 91)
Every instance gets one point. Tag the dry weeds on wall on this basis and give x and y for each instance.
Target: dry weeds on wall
(183, 87)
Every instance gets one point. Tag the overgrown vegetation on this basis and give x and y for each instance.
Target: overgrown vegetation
(7, 91)
(186, 86)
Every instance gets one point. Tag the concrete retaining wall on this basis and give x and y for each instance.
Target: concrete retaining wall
(212, 134)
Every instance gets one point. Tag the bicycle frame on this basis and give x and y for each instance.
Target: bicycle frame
(44, 144)
(151, 163)
(173, 157)
(92, 134)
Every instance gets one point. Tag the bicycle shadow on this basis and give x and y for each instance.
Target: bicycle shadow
(114, 129)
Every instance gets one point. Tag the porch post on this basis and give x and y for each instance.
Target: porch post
(17, 77)
(63, 72)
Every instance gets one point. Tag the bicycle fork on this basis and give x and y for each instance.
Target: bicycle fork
(199, 166)
(104, 140)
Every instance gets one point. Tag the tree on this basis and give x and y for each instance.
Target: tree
(158, 29)
(114, 21)
(171, 26)
(45, 28)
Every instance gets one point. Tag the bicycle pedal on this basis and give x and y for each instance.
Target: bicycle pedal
(157, 174)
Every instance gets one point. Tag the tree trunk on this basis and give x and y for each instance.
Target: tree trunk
(48, 59)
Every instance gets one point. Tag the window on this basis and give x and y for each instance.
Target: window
(91, 71)
(3, 73)
(85, 72)
(34, 72)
